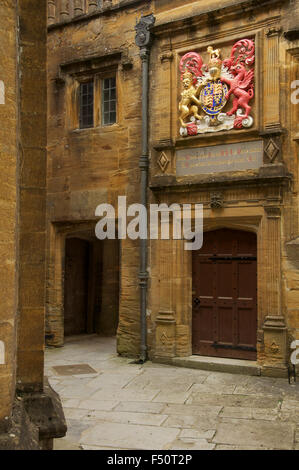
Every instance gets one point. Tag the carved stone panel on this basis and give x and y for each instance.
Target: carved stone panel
(219, 158)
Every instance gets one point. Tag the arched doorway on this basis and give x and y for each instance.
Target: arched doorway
(224, 292)
(91, 285)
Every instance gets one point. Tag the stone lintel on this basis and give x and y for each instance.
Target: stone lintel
(275, 175)
(92, 63)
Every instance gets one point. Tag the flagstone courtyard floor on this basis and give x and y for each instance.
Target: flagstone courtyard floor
(114, 404)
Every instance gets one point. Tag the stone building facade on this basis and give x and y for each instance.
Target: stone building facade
(238, 297)
(30, 412)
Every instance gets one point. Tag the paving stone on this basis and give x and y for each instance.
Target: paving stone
(190, 410)
(234, 400)
(226, 379)
(140, 407)
(124, 395)
(129, 436)
(253, 433)
(191, 444)
(200, 423)
(197, 434)
(77, 391)
(290, 405)
(168, 396)
(74, 413)
(228, 447)
(86, 447)
(70, 402)
(75, 427)
(104, 405)
(174, 386)
(249, 413)
(289, 416)
(125, 417)
(65, 444)
(213, 388)
(110, 381)
(268, 386)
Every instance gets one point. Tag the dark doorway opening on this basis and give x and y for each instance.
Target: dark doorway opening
(91, 286)
(225, 295)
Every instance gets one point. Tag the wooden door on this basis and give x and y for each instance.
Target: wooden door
(76, 286)
(225, 295)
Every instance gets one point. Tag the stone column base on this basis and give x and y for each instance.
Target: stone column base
(22, 434)
(165, 335)
(37, 419)
(275, 347)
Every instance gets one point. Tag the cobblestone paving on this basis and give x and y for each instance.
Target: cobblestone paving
(129, 406)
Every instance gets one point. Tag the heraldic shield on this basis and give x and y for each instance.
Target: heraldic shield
(212, 97)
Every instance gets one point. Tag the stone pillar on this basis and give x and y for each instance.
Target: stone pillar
(275, 337)
(164, 91)
(8, 206)
(182, 284)
(165, 320)
(78, 7)
(32, 206)
(272, 79)
(51, 11)
(65, 10)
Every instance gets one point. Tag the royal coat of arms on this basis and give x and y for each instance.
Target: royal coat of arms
(207, 89)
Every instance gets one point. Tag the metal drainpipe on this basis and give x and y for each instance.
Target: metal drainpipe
(144, 41)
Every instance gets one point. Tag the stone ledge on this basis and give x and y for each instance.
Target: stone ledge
(266, 175)
(214, 364)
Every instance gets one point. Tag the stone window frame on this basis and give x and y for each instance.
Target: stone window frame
(83, 119)
(77, 72)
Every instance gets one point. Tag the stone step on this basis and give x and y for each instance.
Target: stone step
(215, 364)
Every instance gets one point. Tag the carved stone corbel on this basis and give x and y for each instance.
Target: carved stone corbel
(273, 212)
(217, 200)
(273, 31)
(166, 57)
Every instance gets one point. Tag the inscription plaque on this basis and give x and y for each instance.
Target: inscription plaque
(219, 158)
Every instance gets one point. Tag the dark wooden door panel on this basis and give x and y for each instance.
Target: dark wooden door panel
(224, 295)
(76, 286)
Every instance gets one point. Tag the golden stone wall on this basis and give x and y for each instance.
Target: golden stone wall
(8, 204)
(88, 167)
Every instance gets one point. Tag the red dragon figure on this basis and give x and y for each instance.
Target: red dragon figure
(242, 85)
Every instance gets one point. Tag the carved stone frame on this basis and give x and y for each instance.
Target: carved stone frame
(173, 313)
